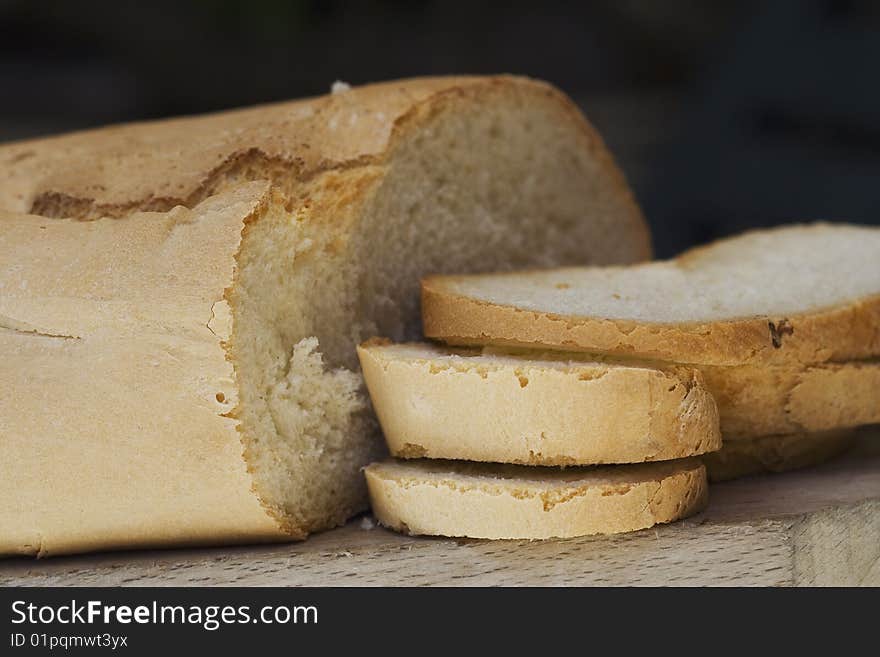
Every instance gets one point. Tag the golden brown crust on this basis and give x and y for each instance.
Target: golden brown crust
(848, 332)
(116, 392)
(517, 502)
(775, 454)
(157, 165)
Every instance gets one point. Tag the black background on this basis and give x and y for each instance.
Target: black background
(723, 114)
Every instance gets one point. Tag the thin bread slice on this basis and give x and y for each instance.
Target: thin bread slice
(775, 454)
(800, 293)
(462, 404)
(494, 404)
(480, 500)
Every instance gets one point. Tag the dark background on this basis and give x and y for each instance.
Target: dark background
(723, 114)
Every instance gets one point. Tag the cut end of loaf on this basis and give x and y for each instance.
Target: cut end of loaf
(304, 422)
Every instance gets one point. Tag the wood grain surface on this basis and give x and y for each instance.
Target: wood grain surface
(819, 526)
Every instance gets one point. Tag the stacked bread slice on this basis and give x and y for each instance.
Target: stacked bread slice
(783, 325)
(479, 439)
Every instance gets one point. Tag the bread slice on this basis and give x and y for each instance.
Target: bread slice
(796, 294)
(368, 190)
(479, 500)
(494, 404)
(775, 454)
(462, 404)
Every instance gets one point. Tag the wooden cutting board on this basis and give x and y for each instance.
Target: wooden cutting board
(819, 526)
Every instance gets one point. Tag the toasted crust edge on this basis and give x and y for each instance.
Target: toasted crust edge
(852, 329)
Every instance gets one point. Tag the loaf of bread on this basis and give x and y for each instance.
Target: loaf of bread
(185, 371)
(483, 500)
(800, 294)
(542, 410)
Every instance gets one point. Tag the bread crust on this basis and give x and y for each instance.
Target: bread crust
(845, 330)
(844, 333)
(117, 397)
(157, 165)
(435, 404)
(447, 498)
(775, 454)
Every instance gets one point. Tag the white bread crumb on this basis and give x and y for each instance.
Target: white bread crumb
(339, 87)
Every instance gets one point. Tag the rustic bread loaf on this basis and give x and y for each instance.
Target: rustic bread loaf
(482, 500)
(796, 294)
(462, 404)
(775, 453)
(250, 304)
